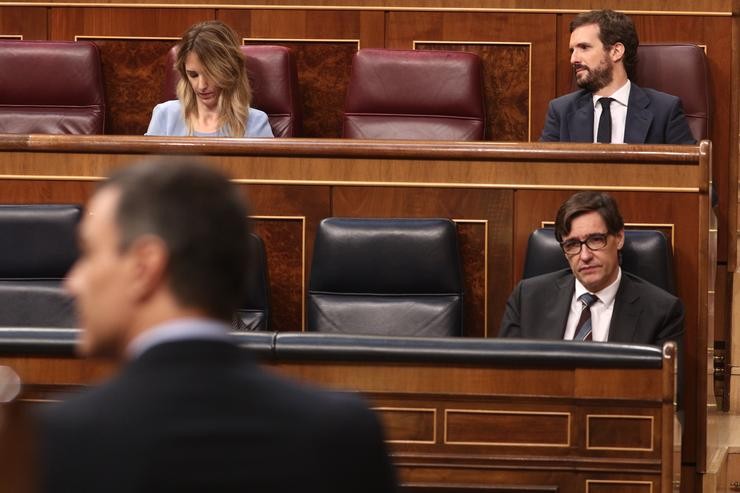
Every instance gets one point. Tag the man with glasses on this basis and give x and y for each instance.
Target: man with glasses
(594, 300)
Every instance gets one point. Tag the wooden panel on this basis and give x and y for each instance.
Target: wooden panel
(461, 205)
(45, 192)
(408, 425)
(506, 80)
(28, 23)
(507, 428)
(617, 486)
(624, 433)
(504, 92)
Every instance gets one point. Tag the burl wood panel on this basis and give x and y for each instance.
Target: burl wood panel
(490, 29)
(491, 206)
(323, 76)
(478, 427)
(27, 23)
(283, 238)
(133, 72)
(46, 192)
(506, 82)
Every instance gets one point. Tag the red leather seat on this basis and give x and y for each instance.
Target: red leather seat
(272, 74)
(423, 95)
(681, 70)
(51, 87)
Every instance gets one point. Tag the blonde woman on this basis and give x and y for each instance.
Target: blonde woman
(213, 92)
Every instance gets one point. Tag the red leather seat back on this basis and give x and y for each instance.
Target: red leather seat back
(681, 70)
(51, 87)
(409, 94)
(273, 76)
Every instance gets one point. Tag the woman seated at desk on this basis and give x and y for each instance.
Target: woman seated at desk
(213, 91)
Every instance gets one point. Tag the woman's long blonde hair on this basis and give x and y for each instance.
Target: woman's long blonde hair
(217, 47)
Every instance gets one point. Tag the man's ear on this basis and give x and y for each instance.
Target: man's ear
(617, 52)
(149, 257)
(620, 239)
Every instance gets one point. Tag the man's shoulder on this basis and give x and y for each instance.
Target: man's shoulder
(569, 99)
(638, 285)
(558, 276)
(655, 96)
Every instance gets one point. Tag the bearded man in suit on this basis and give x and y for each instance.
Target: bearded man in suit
(162, 269)
(603, 52)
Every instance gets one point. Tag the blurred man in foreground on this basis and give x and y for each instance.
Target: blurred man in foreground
(161, 271)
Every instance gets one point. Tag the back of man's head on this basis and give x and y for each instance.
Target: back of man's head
(614, 27)
(201, 219)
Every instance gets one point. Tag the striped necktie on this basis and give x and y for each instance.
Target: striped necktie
(583, 329)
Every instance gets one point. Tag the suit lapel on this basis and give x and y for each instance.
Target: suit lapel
(581, 119)
(626, 313)
(639, 118)
(555, 318)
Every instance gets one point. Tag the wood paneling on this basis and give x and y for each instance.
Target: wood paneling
(27, 22)
(504, 93)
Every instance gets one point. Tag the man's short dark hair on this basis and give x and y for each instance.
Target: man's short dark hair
(202, 219)
(583, 203)
(614, 27)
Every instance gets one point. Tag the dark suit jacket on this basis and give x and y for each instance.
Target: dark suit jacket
(197, 416)
(653, 117)
(643, 313)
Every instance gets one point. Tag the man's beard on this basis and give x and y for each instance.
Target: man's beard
(597, 78)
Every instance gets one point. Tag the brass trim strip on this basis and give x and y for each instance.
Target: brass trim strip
(615, 481)
(303, 258)
(529, 73)
(493, 186)
(304, 40)
(509, 444)
(621, 416)
(15, 37)
(147, 38)
(485, 267)
(413, 409)
(503, 10)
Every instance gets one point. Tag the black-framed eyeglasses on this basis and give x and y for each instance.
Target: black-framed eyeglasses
(596, 241)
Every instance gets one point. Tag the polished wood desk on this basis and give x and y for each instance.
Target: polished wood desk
(498, 193)
(537, 416)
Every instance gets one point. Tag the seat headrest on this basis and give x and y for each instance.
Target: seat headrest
(366, 256)
(37, 241)
(53, 87)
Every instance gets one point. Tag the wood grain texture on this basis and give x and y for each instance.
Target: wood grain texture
(27, 23)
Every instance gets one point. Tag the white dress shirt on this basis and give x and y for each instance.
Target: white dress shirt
(618, 109)
(601, 310)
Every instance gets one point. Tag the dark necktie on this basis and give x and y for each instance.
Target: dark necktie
(583, 329)
(604, 135)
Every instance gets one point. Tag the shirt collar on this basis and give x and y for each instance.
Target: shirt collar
(178, 330)
(621, 95)
(606, 295)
